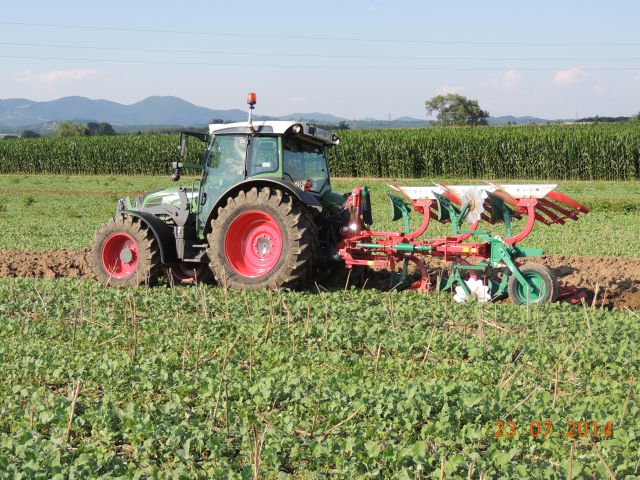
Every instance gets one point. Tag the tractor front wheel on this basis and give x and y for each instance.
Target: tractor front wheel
(543, 281)
(262, 239)
(125, 252)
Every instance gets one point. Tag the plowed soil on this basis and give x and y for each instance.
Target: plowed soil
(615, 280)
(44, 263)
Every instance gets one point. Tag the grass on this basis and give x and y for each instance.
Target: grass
(51, 220)
(198, 383)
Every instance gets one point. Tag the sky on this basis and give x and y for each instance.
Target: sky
(351, 58)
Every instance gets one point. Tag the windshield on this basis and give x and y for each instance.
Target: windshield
(304, 161)
(225, 157)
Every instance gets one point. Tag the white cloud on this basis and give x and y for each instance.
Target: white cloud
(446, 89)
(59, 76)
(375, 8)
(509, 80)
(570, 76)
(599, 89)
(636, 79)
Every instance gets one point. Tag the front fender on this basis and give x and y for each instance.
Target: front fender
(161, 231)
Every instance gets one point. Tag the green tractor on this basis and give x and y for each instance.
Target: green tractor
(261, 215)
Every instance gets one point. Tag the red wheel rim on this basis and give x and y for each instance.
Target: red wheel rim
(120, 255)
(253, 244)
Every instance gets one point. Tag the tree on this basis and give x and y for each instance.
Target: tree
(454, 109)
(102, 128)
(70, 129)
(29, 134)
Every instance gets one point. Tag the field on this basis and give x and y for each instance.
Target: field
(566, 152)
(198, 383)
(335, 382)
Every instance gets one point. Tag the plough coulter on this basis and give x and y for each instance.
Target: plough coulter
(263, 214)
(482, 265)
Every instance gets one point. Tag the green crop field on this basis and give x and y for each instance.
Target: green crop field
(200, 382)
(567, 152)
(83, 203)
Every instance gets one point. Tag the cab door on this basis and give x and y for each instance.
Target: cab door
(224, 166)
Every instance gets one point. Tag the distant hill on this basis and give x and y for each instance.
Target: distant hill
(409, 119)
(510, 119)
(371, 123)
(17, 114)
(315, 116)
(150, 111)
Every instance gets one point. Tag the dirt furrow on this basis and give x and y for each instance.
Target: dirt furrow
(616, 279)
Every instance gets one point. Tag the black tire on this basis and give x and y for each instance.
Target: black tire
(297, 243)
(312, 273)
(546, 285)
(188, 273)
(133, 252)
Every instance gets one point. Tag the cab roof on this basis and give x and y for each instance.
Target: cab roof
(276, 127)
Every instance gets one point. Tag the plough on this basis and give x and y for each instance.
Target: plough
(483, 265)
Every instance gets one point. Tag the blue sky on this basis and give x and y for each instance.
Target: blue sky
(356, 59)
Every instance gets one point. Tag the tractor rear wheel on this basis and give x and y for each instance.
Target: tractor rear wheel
(125, 252)
(262, 239)
(543, 280)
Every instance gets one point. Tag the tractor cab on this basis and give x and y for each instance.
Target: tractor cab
(290, 151)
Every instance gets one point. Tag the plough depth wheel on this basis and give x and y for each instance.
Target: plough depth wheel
(542, 280)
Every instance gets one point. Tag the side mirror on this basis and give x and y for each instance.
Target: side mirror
(180, 163)
(175, 176)
(183, 145)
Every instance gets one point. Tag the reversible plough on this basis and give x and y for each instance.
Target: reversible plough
(482, 265)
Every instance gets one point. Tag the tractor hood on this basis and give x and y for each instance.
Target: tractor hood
(168, 196)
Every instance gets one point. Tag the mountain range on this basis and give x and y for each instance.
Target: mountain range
(153, 110)
(174, 111)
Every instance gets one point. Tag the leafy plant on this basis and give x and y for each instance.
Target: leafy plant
(199, 383)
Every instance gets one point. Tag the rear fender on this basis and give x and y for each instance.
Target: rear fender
(162, 232)
(289, 188)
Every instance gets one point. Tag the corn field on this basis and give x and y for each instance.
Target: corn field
(569, 152)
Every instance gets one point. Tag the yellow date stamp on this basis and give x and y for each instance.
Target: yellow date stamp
(546, 428)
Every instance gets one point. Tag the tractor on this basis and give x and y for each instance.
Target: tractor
(261, 215)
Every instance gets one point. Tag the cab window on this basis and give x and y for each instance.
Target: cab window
(225, 157)
(304, 161)
(263, 155)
